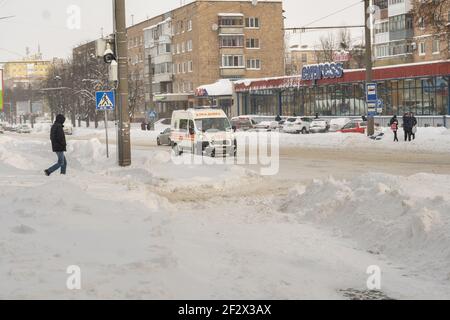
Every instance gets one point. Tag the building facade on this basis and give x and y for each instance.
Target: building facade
(26, 71)
(208, 41)
(421, 88)
(402, 37)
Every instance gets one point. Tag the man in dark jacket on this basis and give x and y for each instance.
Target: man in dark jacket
(59, 145)
(414, 126)
(407, 126)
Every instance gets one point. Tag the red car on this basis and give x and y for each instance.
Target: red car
(355, 127)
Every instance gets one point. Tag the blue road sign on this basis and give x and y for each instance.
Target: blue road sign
(371, 92)
(152, 114)
(106, 100)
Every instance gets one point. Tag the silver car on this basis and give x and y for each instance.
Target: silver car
(164, 138)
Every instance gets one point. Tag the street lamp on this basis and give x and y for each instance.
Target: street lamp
(58, 80)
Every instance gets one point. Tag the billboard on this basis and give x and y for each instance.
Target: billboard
(1, 90)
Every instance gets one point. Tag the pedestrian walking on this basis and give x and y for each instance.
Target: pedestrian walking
(59, 145)
(394, 127)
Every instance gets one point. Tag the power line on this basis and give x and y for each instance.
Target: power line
(333, 13)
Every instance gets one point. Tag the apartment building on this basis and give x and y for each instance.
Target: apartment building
(208, 40)
(26, 71)
(400, 37)
(298, 57)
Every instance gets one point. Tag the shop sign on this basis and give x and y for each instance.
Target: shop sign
(331, 70)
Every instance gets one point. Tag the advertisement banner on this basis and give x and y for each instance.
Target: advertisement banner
(1, 90)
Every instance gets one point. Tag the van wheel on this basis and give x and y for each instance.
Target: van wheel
(304, 131)
(158, 142)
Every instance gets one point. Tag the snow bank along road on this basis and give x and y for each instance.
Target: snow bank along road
(161, 231)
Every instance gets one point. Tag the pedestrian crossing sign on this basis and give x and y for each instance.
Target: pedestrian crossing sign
(105, 100)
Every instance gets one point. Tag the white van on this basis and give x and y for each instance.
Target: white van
(202, 131)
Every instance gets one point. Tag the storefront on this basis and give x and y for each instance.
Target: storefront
(420, 88)
(219, 94)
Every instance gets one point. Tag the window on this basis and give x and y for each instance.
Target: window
(189, 46)
(382, 27)
(189, 25)
(304, 58)
(254, 64)
(230, 22)
(233, 61)
(422, 49)
(252, 23)
(183, 47)
(421, 23)
(183, 124)
(436, 46)
(190, 66)
(231, 41)
(382, 51)
(252, 43)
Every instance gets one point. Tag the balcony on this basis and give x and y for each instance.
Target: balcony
(401, 34)
(232, 72)
(232, 51)
(400, 8)
(231, 30)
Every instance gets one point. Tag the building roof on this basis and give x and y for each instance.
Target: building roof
(223, 87)
(412, 70)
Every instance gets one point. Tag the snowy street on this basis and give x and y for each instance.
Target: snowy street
(158, 230)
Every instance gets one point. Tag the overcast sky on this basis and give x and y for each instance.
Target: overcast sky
(44, 22)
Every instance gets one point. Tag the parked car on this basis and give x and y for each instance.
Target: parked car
(164, 138)
(297, 125)
(267, 126)
(337, 124)
(23, 128)
(68, 130)
(162, 124)
(1, 129)
(242, 123)
(319, 126)
(355, 127)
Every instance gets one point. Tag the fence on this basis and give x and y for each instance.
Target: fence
(423, 121)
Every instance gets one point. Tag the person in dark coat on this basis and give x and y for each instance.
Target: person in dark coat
(278, 118)
(407, 126)
(414, 128)
(394, 127)
(59, 145)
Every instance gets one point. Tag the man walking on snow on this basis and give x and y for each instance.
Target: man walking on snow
(59, 145)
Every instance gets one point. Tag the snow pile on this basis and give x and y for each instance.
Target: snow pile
(385, 214)
(87, 153)
(11, 158)
(427, 140)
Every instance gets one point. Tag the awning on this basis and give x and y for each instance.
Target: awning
(223, 87)
(172, 97)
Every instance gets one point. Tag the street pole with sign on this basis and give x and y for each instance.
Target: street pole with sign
(105, 101)
(369, 67)
(124, 139)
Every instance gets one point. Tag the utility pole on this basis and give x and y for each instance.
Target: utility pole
(369, 67)
(123, 141)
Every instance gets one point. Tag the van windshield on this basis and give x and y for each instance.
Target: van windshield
(216, 124)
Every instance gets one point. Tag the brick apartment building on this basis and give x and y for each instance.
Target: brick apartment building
(400, 37)
(204, 41)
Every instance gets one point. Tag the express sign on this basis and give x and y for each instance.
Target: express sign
(323, 71)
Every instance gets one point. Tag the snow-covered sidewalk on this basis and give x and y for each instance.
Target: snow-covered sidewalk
(158, 230)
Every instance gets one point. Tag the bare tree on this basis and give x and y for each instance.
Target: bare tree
(433, 14)
(136, 94)
(326, 48)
